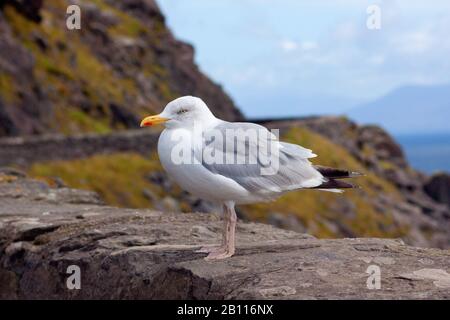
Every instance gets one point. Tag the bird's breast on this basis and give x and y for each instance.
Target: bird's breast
(178, 152)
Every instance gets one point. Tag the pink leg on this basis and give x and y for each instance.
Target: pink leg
(228, 241)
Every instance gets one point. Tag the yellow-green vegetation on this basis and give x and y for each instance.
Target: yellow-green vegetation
(82, 121)
(7, 88)
(121, 178)
(69, 67)
(118, 178)
(127, 26)
(100, 83)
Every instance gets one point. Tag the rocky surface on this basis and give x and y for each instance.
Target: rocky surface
(144, 254)
(438, 188)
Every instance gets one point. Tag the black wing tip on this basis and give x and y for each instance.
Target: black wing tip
(337, 184)
(333, 173)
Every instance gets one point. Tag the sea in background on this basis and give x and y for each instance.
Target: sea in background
(427, 152)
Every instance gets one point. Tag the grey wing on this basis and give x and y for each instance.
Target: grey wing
(253, 157)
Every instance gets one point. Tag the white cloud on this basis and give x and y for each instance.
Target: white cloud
(291, 45)
(288, 45)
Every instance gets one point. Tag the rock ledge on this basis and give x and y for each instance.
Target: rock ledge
(143, 254)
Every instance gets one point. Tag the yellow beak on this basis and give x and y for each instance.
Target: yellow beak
(152, 120)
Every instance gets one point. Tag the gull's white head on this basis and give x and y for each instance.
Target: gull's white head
(182, 112)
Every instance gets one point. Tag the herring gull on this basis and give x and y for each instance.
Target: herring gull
(233, 163)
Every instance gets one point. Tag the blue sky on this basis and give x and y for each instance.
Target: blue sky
(294, 57)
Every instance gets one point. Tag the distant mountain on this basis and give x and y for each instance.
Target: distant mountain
(409, 109)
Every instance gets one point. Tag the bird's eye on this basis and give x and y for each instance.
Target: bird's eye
(181, 111)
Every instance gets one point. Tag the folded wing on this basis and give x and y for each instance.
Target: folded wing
(253, 157)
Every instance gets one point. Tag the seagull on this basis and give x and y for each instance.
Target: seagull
(233, 163)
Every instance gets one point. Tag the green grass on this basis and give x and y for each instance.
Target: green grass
(118, 178)
(86, 123)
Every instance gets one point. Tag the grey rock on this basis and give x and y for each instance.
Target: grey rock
(440, 277)
(145, 254)
(30, 8)
(289, 221)
(12, 172)
(170, 204)
(438, 187)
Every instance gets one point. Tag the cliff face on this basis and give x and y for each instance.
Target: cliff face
(145, 254)
(122, 64)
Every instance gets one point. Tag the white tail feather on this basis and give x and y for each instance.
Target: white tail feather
(332, 190)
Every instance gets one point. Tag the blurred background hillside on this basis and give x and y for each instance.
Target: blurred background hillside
(71, 101)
